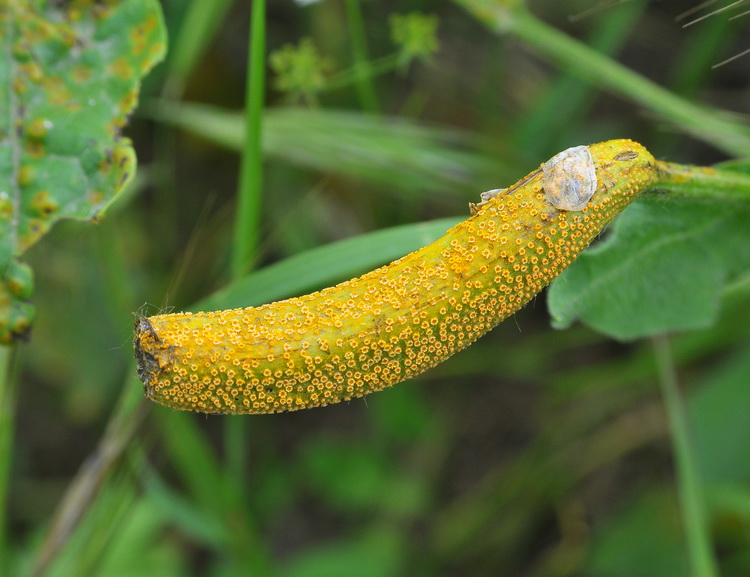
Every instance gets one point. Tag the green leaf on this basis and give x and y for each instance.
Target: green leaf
(70, 73)
(664, 268)
(378, 552)
(325, 265)
(394, 152)
(644, 540)
(351, 476)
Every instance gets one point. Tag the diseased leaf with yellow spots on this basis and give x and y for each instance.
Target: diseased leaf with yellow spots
(69, 78)
(397, 321)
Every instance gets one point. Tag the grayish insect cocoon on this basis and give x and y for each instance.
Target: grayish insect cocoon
(486, 196)
(569, 178)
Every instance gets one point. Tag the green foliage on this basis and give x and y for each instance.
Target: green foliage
(649, 529)
(534, 452)
(416, 36)
(649, 526)
(325, 265)
(71, 74)
(300, 70)
(632, 284)
(419, 158)
(377, 553)
(303, 72)
(721, 399)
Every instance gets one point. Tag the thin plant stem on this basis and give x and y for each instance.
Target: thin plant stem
(568, 99)
(7, 421)
(196, 31)
(372, 68)
(249, 196)
(235, 433)
(93, 474)
(689, 482)
(250, 191)
(509, 17)
(713, 184)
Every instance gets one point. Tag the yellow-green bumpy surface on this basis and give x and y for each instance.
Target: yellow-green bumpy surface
(393, 323)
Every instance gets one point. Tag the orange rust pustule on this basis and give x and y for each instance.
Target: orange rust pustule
(393, 323)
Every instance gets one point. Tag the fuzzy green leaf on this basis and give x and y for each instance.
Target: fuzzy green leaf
(70, 73)
(664, 267)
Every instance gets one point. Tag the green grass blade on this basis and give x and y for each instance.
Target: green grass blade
(248, 214)
(689, 482)
(83, 494)
(368, 98)
(729, 134)
(564, 107)
(325, 265)
(250, 191)
(7, 424)
(391, 151)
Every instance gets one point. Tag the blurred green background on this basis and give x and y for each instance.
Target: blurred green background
(534, 453)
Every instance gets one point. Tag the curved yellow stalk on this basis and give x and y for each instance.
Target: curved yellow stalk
(397, 321)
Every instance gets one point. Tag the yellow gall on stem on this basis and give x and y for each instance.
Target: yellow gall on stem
(397, 321)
